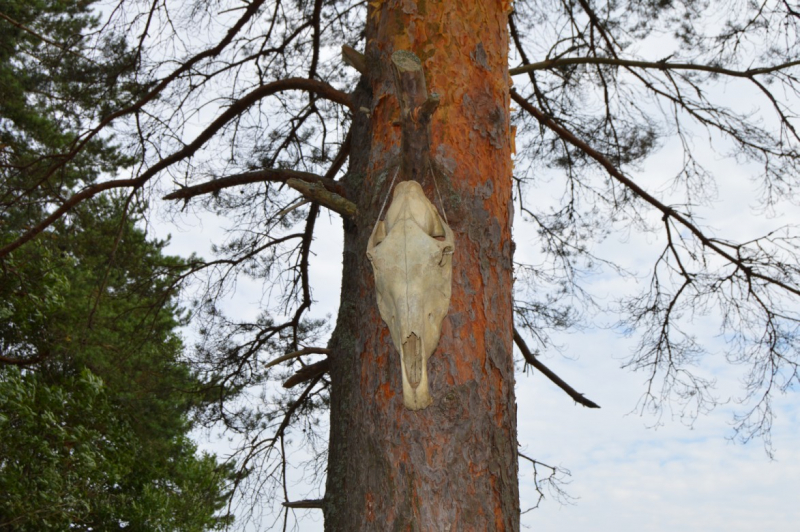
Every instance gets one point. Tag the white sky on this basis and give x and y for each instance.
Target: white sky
(626, 475)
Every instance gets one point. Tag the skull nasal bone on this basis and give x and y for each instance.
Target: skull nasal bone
(412, 359)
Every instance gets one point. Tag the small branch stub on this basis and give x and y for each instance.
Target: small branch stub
(305, 504)
(323, 196)
(416, 109)
(354, 58)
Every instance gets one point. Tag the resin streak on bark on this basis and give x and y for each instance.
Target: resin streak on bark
(453, 465)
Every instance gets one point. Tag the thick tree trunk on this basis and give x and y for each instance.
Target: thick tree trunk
(453, 465)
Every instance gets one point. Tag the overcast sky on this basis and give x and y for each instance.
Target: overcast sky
(626, 474)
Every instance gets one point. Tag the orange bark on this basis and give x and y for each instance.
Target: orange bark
(451, 466)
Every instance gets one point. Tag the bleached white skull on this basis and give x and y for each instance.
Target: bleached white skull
(411, 252)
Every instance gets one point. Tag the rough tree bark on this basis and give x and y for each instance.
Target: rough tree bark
(453, 465)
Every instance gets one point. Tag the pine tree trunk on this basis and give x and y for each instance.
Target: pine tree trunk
(453, 465)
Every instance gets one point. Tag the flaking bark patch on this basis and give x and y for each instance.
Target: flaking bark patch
(487, 117)
(479, 57)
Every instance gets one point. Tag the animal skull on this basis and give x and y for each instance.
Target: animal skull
(411, 253)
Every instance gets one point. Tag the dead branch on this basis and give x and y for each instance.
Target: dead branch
(536, 363)
(312, 371)
(306, 503)
(659, 65)
(297, 354)
(319, 193)
(354, 58)
(257, 176)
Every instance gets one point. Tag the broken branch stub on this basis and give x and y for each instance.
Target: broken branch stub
(411, 252)
(416, 109)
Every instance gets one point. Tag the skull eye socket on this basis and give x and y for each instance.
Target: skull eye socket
(380, 233)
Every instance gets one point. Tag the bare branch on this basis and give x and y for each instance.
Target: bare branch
(306, 503)
(667, 211)
(312, 371)
(536, 363)
(354, 58)
(236, 108)
(552, 482)
(319, 193)
(257, 176)
(296, 354)
(11, 361)
(660, 65)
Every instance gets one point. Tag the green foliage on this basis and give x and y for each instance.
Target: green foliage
(93, 432)
(68, 460)
(96, 400)
(57, 76)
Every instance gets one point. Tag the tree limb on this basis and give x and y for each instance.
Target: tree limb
(306, 503)
(660, 65)
(235, 109)
(312, 371)
(11, 361)
(319, 193)
(324, 191)
(354, 58)
(296, 354)
(536, 363)
(667, 211)
(257, 176)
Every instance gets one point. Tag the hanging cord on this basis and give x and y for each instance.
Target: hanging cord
(438, 194)
(386, 198)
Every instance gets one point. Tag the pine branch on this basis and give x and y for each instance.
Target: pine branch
(234, 110)
(312, 371)
(319, 193)
(316, 188)
(536, 363)
(257, 176)
(354, 58)
(43, 38)
(297, 354)
(306, 503)
(667, 211)
(660, 65)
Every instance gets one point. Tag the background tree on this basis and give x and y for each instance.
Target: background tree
(96, 398)
(249, 108)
